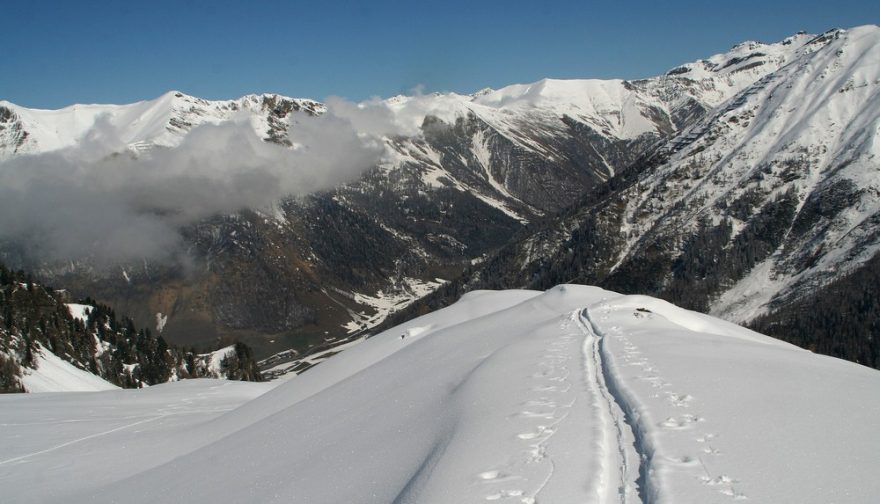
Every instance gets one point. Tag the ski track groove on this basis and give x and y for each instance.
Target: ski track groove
(616, 408)
(613, 389)
(79, 440)
(163, 413)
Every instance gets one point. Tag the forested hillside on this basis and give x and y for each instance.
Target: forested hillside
(38, 320)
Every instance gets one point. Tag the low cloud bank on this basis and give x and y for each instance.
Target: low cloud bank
(99, 201)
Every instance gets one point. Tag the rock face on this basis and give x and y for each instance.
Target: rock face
(461, 175)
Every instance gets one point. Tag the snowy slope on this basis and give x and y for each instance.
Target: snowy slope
(572, 395)
(53, 374)
(810, 131)
(54, 444)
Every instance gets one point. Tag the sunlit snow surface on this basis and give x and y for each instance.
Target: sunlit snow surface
(54, 374)
(573, 395)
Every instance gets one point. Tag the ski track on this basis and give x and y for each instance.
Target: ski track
(79, 440)
(634, 432)
(169, 411)
(629, 456)
(620, 457)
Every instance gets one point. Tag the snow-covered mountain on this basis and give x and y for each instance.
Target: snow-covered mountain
(579, 130)
(523, 145)
(576, 394)
(462, 175)
(771, 197)
(162, 122)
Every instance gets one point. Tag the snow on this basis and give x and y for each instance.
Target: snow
(214, 360)
(576, 394)
(608, 103)
(161, 320)
(311, 359)
(483, 154)
(101, 346)
(384, 303)
(54, 374)
(435, 176)
(80, 311)
(137, 126)
(52, 445)
(614, 108)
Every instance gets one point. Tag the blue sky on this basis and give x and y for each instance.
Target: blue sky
(54, 53)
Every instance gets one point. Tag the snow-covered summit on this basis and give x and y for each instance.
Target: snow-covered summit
(618, 108)
(163, 121)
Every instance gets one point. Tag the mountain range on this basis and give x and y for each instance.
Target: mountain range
(744, 185)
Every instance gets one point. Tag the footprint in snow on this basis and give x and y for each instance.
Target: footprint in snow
(495, 476)
(683, 461)
(654, 381)
(727, 483)
(730, 492)
(537, 453)
(503, 494)
(541, 402)
(539, 432)
(547, 415)
(550, 388)
(680, 423)
(679, 400)
(489, 475)
(561, 377)
(718, 480)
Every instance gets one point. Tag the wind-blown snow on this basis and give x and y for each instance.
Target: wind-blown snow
(572, 395)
